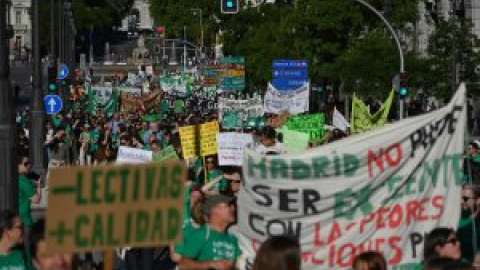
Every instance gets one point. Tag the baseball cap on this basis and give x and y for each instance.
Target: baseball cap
(214, 200)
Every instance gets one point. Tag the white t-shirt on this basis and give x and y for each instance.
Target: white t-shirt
(276, 149)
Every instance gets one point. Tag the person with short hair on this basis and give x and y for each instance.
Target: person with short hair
(469, 221)
(11, 235)
(42, 259)
(268, 143)
(29, 191)
(280, 252)
(441, 242)
(210, 246)
(370, 260)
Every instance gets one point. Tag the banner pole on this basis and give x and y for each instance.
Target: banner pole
(109, 259)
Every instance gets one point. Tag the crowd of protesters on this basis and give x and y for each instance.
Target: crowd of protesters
(77, 137)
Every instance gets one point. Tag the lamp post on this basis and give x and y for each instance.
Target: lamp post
(37, 114)
(8, 169)
(200, 15)
(397, 41)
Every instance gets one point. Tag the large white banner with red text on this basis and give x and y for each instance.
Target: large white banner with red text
(380, 190)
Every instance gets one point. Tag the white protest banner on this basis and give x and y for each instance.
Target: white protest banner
(294, 102)
(133, 155)
(252, 107)
(102, 94)
(231, 146)
(380, 190)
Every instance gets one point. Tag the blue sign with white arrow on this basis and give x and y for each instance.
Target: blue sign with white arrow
(53, 104)
(62, 72)
(290, 73)
(288, 84)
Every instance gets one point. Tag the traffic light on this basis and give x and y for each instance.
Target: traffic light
(52, 79)
(403, 90)
(230, 6)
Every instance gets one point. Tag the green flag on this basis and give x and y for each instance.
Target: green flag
(362, 120)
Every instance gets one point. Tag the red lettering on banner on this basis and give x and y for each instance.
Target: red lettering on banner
(379, 242)
(392, 242)
(437, 202)
(381, 218)
(392, 156)
(344, 253)
(396, 212)
(335, 233)
(366, 220)
(317, 240)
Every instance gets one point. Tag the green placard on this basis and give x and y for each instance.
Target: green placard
(231, 120)
(166, 154)
(312, 124)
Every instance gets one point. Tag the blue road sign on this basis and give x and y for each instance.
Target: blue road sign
(288, 84)
(287, 64)
(290, 73)
(53, 104)
(62, 72)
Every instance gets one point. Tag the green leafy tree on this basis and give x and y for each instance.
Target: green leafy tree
(453, 41)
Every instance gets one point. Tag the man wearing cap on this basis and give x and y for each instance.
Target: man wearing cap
(210, 246)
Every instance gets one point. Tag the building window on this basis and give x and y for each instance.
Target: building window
(18, 16)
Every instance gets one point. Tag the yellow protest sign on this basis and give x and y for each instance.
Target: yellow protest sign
(188, 141)
(96, 208)
(208, 138)
(207, 141)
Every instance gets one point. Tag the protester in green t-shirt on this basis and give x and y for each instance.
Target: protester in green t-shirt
(11, 235)
(27, 193)
(216, 183)
(210, 246)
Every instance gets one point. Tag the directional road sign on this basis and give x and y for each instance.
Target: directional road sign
(53, 104)
(62, 71)
(290, 73)
(295, 64)
(288, 84)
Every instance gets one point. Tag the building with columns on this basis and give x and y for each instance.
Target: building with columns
(19, 15)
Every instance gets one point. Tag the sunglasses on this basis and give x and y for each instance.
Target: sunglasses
(26, 163)
(465, 198)
(452, 241)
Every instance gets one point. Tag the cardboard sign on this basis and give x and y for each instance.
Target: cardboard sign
(133, 155)
(95, 208)
(208, 138)
(294, 141)
(188, 141)
(231, 146)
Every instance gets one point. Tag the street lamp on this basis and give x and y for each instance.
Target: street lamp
(397, 41)
(200, 15)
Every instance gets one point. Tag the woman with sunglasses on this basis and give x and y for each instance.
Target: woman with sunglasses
(11, 235)
(441, 242)
(28, 192)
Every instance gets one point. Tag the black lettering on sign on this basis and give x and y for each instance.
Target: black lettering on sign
(426, 136)
(416, 240)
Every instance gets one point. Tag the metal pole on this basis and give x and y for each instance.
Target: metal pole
(184, 49)
(8, 170)
(53, 39)
(37, 115)
(399, 47)
(61, 39)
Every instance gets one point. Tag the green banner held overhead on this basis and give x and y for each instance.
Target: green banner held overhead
(166, 154)
(313, 124)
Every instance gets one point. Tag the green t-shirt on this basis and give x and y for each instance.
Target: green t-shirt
(222, 184)
(205, 244)
(94, 136)
(26, 191)
(13, 261)
(186, 206)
